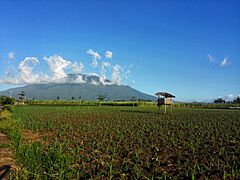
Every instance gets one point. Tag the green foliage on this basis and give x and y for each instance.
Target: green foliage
(89, 103)
(101, 98)
(237, 100)
(133, 98)
(130, 142)
(7, 107)
(5, 100)
(42, 164)
(219, 100)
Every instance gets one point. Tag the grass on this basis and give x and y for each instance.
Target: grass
(127, 142)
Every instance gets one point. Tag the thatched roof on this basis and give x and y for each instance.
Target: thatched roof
(165, 94)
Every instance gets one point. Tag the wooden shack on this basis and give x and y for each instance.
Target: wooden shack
(165, 98)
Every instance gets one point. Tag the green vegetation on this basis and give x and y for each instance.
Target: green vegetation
(6, 103)
(236, 100)
(132, 103)
(5, 100)
(122, 142)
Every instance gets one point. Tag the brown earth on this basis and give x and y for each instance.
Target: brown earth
(7, 163)
(30, 136)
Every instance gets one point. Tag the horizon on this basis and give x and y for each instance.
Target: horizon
(190, 49)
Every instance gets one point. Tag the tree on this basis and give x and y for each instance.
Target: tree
(73, 98)
(133, 99)
(101, 98)
(80, 99)
(5, 100)
(219, 100)
(58, 97)
(236, 100)
(22, 96)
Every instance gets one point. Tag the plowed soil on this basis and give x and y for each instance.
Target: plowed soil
(7, 163)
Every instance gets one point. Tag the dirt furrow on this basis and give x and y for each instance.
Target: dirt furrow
(7, 162)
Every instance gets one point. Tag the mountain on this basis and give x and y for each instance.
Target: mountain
(87, 90)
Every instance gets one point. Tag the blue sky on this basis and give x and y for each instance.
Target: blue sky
(188, 48)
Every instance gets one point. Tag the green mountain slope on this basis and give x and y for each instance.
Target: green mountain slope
(86, 90)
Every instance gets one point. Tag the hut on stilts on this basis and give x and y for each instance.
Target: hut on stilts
(164, 98)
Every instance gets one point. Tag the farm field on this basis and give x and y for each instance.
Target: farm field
(82, 142)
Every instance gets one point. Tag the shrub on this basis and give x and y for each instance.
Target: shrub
(7, 107)
(4, 100)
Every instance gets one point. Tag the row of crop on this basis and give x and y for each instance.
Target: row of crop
(135, 103)
(33, 160)
(206, 105)
(85, 103)
(133, 142)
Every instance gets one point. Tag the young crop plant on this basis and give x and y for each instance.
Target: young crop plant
(115, 142)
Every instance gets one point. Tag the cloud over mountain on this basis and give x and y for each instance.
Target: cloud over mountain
(59, 68)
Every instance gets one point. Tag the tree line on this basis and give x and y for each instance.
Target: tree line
(222, 101)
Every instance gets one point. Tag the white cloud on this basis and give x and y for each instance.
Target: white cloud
(25, 69)
(225, 62)
(11, 55)
(94, 63)
(57, 65)
(95, 57)
(104, 65)
(77, 68)
(222, 63)
(211, 58)
(26, 74)
(229, 97)
(116, 74)
(80, 79)
(108, 54)
(92, 74)
(93, 54)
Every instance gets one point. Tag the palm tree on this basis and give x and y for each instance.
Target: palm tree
(80, 99)
(133, 99)
(101, 98)
(22, 96)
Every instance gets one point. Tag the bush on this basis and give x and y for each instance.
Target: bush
(5, 100)
(7, 107)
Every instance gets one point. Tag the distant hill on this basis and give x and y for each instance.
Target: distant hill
(87, 91)
(88, 86)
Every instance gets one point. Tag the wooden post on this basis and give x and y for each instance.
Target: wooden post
(165, 108)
